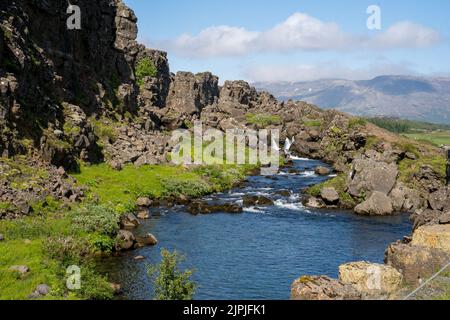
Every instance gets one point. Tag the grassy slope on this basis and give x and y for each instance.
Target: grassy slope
(437, 138)
(436, 134)
(25, 239)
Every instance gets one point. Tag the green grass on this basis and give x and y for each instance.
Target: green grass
(104, 129)
(34, 242)
(407, 126)
(263, 120)
(408, 167)
(339, 184)
(145, 68)
(120, 189)
(308, 123)
(42, 270)
(357, 122)
(437, 138)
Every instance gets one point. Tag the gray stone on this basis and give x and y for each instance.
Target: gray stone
(329, 195)
(315, 203)
(21, 270)
(377, 205)
(368, 176)
(147, 240)
(125, 240)
(322, 171)
(43, 289)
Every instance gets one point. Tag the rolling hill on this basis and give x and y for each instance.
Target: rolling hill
(406, 97)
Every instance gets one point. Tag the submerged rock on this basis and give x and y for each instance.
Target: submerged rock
(322, 171)
(251, 201)
(147, 240)
(202, 207)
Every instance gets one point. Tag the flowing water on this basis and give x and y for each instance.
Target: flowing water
(258, 254)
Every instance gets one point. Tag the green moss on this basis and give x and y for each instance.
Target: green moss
(409, 147)
(120, 189)
(371, 141)
(357, 122)
(312, 123)
(70, 129)
(48, 244)
(339, 184)
(263, 120)
(408, 167)
(336, 130)
(18, 252)
(145, 68)
(104, 129)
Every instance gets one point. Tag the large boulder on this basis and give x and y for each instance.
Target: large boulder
(416, 263)
(440, 199)
(251, 201)
(398, 199)
(329, 195)
(322, 288)
(322, 171)
(130, 221)
(378, 204)
(435, 237)
(147, 240)
(368, 176)
(125, 240)
(315, 203)
(370, 279)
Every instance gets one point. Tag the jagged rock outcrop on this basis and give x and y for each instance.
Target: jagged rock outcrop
(369, 279)
(322, 288)
(188, 95)
(368, 176)
(44, 63)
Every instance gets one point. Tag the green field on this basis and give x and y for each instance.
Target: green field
(436, 134)
(438, 138)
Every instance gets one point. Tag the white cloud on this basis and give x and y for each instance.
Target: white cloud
(325, 70)
(215, 41)
(301, 31)
(406, 35)
(298, 32)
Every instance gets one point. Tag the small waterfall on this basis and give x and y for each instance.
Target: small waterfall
(287, 145)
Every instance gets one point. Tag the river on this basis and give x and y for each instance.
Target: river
(258, 254)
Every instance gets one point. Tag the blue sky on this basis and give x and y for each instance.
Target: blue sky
(296, 40)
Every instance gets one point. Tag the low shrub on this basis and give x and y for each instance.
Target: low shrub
(96, 218)
(145, 68)
(170, 283)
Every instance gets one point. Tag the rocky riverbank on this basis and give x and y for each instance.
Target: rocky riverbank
(96, 96)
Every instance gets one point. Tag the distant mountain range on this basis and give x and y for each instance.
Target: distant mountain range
(406, 97)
